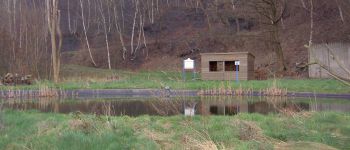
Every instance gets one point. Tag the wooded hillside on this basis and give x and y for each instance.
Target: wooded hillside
(158, 34)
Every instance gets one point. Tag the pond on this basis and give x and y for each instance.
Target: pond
(136, 106)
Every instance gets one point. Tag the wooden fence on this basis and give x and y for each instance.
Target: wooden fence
(334, 57)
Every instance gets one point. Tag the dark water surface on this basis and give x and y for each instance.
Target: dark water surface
(136, 106)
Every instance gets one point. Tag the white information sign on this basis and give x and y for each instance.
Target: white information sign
(189, 64)
(237, 63)
(189, 112)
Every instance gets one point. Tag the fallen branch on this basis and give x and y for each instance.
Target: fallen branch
(345, 81)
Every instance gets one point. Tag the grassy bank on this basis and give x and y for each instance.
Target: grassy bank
(78, 77)
(35, 130)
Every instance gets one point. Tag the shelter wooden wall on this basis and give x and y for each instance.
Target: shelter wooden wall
(246, 67)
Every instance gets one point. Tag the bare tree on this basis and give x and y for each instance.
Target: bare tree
(311, 22)
(106, 33)
(340, 11)
(271, 13)
(85, 33)
(71, 26)
(119, 28)
(303, 4)
(53, 20)
(134, 26)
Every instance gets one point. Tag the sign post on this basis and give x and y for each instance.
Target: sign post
(237, 63)
(188, 65)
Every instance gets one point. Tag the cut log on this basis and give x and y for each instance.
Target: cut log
(8, 79)
(27, 79)
(15, 79)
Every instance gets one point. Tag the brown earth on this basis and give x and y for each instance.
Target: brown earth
(184, 32)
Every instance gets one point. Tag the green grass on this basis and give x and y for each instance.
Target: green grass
(35, 130)
(78, 77)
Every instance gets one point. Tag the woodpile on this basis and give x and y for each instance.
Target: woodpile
(15, 79)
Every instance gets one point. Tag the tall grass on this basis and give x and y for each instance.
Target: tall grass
(35, 130)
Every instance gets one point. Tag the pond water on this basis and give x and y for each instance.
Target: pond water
(136, 106)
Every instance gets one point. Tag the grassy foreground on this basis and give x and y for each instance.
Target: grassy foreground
(35, 130)
(79, 77)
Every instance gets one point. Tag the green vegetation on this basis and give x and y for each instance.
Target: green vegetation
(78, 77)
(35, 130)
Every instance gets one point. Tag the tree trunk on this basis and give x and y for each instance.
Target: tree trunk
(106, 35)
(120, 30)
(277, 47)
(85, 33)
(53, 17)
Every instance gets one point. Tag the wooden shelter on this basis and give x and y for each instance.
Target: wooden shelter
(223, 66)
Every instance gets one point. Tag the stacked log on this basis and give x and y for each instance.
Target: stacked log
(15, 79)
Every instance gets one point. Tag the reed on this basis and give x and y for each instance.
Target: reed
(228, 90)
(274, 90)
(108, 109)
(165, 105)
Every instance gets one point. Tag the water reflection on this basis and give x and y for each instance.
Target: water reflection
(174, 106)
(226, 106)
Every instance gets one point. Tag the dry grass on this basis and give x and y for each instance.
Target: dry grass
(167, 107)
(77, 124)
(192, 142)
(198, 139)
(74, 73)
(161, 139)
(249, 131)
(227, 90)
(274, 90)
(104, 79)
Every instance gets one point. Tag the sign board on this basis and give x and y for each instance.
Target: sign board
(189, 111)
(189, 64)
(237, 63)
